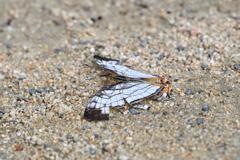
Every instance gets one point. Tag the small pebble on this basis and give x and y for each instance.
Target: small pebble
(56, 149)
(86, 127)
(224, 146)
(95, 136)
(144, 43)
(142, 5)
(205, 107)
(180, 48)
(13, 121)
(133, 110)
(22, 99)
(224, 69)
(92, 50)
(136, 54)
(208, 69)
(128, 130)
(209, 52)
(46, 145)
(51, 90)
(32, 91)
(86, 8)
(92, 151)
(2, 111)
(69, 137)
(165, 113)
(93, 20)
(152, 52)
(203, 67)
(236, 66)
(124, 60)
(160, 57)
(9, 45)
(84, 43)
(40, 90)
(189, 122)
(99, 17)
(190, 69)
(1, 116)
(2, 156)
(18, 105)
(57, 50)
(199, 121)
(104, 148)
(22, 78)
(189, 91)
(189, 10)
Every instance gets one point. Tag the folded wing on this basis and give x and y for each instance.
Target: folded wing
(115, 95)
(114, 66)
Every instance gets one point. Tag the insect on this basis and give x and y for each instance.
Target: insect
(130, 88)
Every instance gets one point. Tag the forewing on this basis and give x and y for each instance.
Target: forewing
(115, 67)
(98, 107)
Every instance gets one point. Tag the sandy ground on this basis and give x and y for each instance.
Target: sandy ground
(47, 78)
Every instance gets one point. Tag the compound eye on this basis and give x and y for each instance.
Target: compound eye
(164, 80)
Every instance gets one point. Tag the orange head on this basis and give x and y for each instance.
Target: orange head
(163, 80)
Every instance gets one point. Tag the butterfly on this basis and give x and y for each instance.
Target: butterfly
(130, 88)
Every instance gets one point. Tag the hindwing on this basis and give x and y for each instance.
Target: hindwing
(116, 95)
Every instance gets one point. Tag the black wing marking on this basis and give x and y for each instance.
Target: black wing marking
(116, 67)
(98, 107)
(115, 96)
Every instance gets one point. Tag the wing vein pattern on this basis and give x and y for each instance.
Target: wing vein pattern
(115, 96)
(130, 91)
(115, 67)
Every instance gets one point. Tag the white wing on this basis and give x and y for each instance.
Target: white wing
(115, 67)
(98, 107)
(115, 96)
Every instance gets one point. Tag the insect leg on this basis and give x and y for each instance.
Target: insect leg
(123, 109)
(142, 106)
